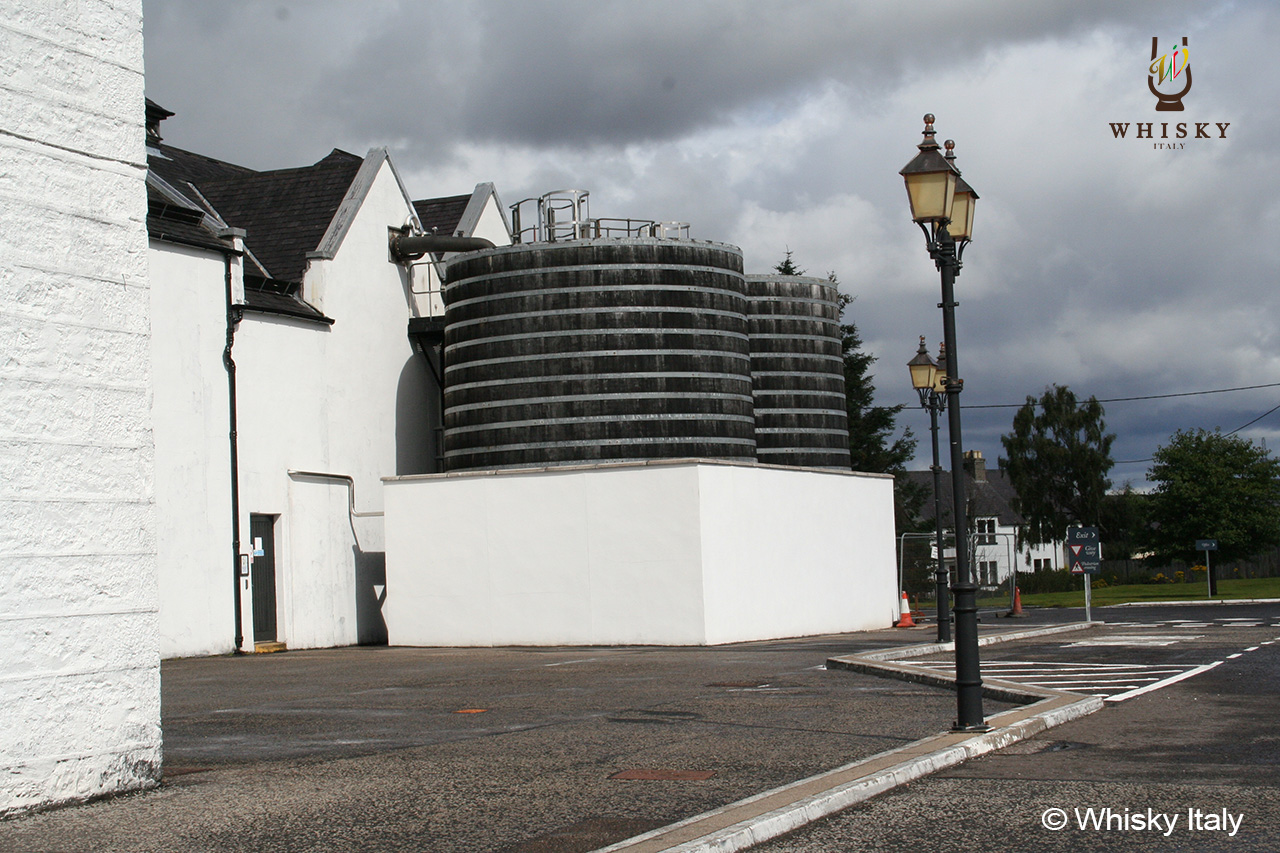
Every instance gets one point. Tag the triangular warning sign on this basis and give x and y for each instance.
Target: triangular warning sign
(1076, 549)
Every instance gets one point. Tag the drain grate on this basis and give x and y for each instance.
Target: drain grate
(658, 774)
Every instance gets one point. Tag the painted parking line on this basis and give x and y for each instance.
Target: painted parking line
(1108, 680)
(1165, 683)
(1134, 640)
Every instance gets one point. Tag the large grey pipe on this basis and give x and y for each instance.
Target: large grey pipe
(406, 248)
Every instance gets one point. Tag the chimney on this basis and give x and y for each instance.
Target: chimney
(975, 465)
(155, 115)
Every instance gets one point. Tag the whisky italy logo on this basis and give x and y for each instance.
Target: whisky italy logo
(1169, 75)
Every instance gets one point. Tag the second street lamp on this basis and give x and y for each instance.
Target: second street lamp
(932, 181)
(929, 382)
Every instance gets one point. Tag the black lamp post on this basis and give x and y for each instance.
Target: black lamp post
(930, 383)
(939, 201)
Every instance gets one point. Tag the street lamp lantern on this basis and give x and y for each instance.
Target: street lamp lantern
(963, 203)
(929, 382)
(930, 179)
(924, 370)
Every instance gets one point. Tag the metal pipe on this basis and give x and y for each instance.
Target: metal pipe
(233, 318)
(351, 490)
(407, 248)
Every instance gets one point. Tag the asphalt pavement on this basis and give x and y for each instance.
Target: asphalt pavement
(1184, 756)
(528, 750)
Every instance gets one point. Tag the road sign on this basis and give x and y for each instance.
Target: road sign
(1206, 544)
(1084, 550)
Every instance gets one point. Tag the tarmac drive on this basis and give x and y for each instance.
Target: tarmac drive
(510, 750)
(1209, 743)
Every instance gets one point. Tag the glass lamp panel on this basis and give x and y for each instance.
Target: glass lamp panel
(922, 372)
(931, 194)
(961, 227)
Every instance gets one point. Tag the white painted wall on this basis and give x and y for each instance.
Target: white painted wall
(79, 661)
(663, 553)
(329, 399)
(350, 398)
(790, 553)
(193, 470)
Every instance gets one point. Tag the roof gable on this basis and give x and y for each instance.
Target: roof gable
(993, 498)
(442, 215)
(285, 212)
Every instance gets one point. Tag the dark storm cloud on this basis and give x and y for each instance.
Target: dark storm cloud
(1101, 264)
(557, 74)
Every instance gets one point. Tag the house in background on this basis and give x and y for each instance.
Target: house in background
(993, 522)
(286, 387)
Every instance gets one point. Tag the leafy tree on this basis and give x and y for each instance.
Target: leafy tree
(1125, 520)
(1214, 486)
(1058, 456)
(875, 445)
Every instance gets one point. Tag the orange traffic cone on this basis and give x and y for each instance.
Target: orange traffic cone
(1017, 602)
(905, 621)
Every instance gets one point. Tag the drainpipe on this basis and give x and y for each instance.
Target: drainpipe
(234, 313)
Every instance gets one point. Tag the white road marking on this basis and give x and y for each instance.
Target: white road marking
(567, 662)
(1098, 679)
(1233, 657)
(1252, 649)
(1134, 640)
(1171, 680)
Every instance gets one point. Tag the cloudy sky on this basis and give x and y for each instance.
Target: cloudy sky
(1114, 266)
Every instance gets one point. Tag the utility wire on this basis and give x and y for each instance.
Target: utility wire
(1157, 397)
(1146, 397)
(1233, 432)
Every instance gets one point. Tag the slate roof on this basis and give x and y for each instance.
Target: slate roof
(994, 497)
(442, 215)
(174, 221)
(179, 167)
(285, 212)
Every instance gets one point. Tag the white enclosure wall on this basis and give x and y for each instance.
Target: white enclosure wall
(789, 553)
(688, 552)
(79, 661)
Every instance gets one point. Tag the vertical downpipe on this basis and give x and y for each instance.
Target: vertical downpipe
(234, 314)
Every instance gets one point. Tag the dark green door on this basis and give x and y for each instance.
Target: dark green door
(262, 538)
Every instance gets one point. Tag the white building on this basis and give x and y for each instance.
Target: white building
(993, 523)
(79, 662)
(329, 393)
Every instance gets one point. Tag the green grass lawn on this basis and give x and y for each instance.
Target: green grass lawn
(1123, 593)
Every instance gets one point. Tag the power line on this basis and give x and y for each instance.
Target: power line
(1145, 397)
(1233, 432)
